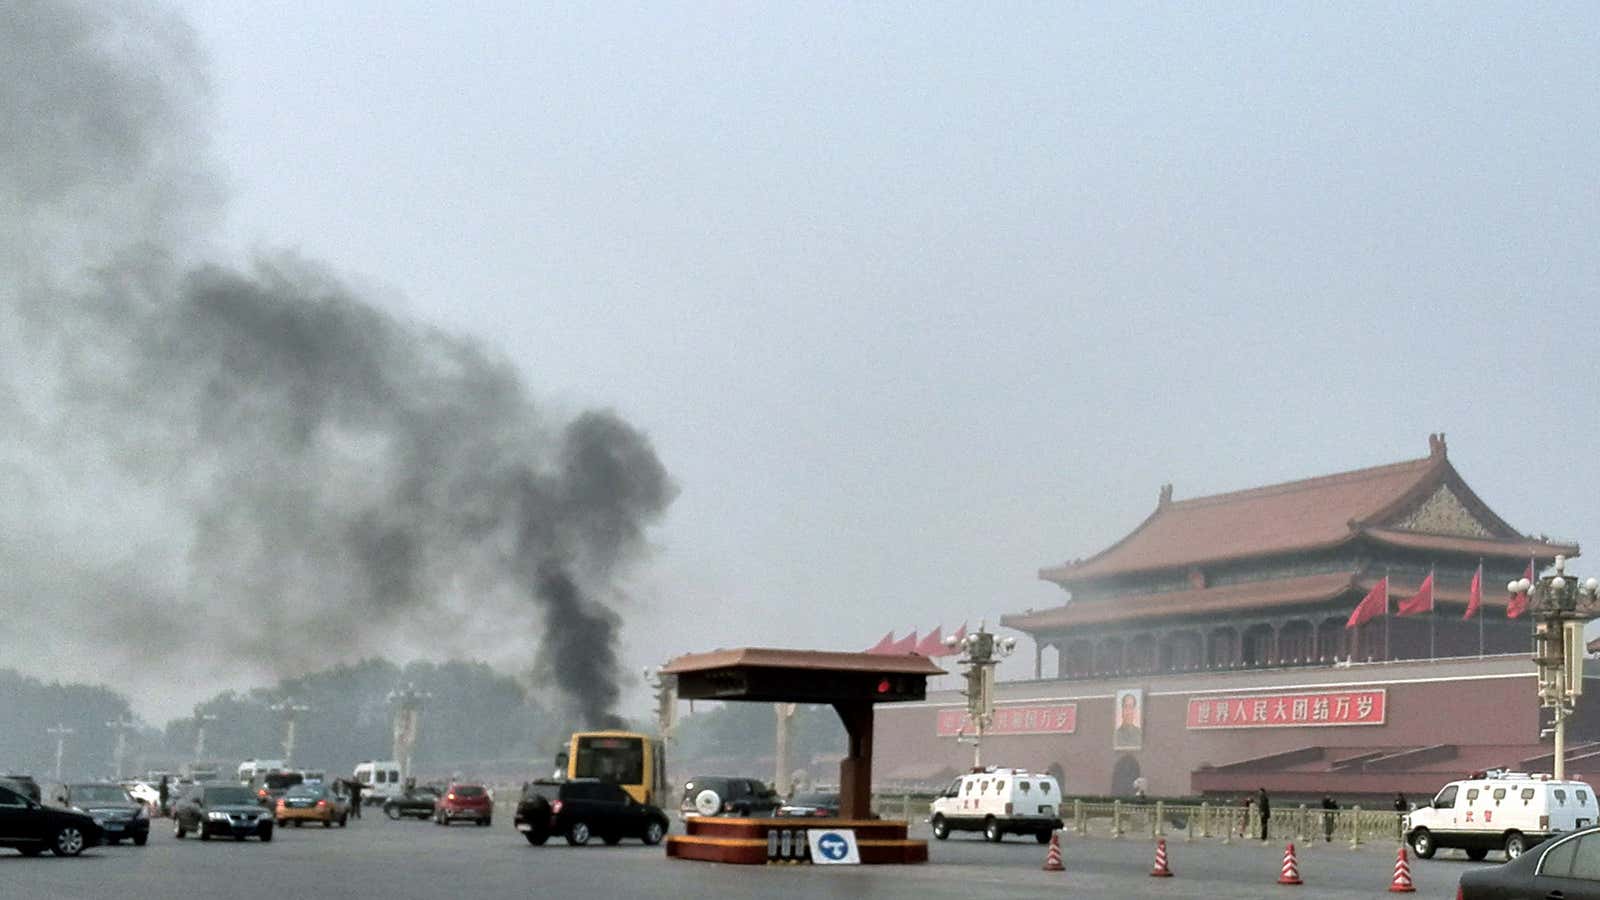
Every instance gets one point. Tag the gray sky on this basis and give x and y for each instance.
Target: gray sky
(915, 299)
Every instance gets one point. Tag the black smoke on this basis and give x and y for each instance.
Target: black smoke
(260, 468)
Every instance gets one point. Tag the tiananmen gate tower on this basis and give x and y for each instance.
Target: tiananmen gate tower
(1208, 652)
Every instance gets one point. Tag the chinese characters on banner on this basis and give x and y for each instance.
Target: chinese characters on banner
(1058, 718)
(1289, 710)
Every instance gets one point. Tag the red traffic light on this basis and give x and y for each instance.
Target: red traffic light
(883, 686)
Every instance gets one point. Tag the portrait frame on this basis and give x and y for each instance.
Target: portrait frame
(1129, 704)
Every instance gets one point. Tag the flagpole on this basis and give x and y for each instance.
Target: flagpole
(1480, 608)
(1433, 589)
(1388, 648)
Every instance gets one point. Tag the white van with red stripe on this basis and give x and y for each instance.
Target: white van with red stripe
(998, 802)
(1498, 810)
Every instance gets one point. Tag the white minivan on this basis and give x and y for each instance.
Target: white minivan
(380, 780)
(998, 802)
(1498, 810)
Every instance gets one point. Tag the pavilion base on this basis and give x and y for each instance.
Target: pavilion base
(761, 841)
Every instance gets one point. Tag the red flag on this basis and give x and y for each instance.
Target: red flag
(1474, 593)
(932, 645)
(882, 646)
(907, 644)
(1373, 605)
(1420, 602)
(1518, 604)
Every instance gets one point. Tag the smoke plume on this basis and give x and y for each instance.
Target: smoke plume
(254, 470)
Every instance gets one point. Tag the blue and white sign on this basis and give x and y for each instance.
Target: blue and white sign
(834, 846)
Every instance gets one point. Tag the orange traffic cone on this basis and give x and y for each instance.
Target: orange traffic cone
(1291, 869)
(1401, 883)
(1160, 869)
(1052, 859)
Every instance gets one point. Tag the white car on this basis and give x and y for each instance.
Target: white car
(1509, 811)
(998, 802)
(145, 793)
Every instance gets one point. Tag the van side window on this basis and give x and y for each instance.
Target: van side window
(1025, 786)
(1561, 796)
(1446, 798)
(1527, 794)
(1499, 794)
(1472, 794)
(1044, 787)
(984, 787)
(999, 787)
(1583, 797)
(969, 786)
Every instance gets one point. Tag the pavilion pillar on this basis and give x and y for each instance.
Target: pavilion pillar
(1038, 659)
(855, 770)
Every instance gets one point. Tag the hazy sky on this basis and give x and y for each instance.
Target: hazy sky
(915, 299)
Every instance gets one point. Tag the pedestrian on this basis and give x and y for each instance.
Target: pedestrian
(1328, 807)
(1400, 804)
(163, 793)
(1244, 816)
(1401, 807)
(1264, 807)
(355, 797)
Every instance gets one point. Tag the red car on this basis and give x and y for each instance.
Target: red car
(464, 801)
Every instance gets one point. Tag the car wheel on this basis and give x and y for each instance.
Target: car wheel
(1515, 844)
(1477, 854)
(177, 829)
(68, 842)
(578, 834)
(439, 819)
(139, 840)
(653, 833)
(1422, 843)
(941, 828)
(344, 820)
(266, 835)
(328, 822)
(537, 838)
(487, 821)
(1042, 837)
(205, 832)
(992, 832)
(392, 812)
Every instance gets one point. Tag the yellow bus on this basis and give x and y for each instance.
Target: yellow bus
(635, 761)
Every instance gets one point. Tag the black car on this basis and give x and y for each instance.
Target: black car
(717, 795)
(221, 810)
(416, 803)
(585, 808)
(1566, 866)
(815, 805)
(112, 808)
(30, 826)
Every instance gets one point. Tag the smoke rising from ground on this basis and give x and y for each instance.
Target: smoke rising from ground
(254, 470)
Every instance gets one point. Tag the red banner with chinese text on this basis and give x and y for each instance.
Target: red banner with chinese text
(1318, 708)
(1056, 718)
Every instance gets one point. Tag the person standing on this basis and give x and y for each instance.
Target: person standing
(164, 793)
(1328, 807)
(1244, 816)
(1401, 807)
(1264, 807)
(354, 786)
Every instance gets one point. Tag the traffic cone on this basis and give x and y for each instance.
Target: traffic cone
(1160, 869)
(1052, 859)
(1401, 883)
(1291, 869)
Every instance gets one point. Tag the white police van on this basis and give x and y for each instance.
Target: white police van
(998, 802)
(1499, 810)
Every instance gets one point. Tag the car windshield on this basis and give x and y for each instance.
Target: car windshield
(468, 790)
(277, 781)
(220, 796)
(815, 800)
(305, 790)
(97, 793)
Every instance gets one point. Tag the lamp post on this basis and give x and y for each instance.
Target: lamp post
(408, 703)
(291, 713)
(200, 720)
(60, 732)
(119, 750)
(664, 688)
(1560, 607)
(983, 652)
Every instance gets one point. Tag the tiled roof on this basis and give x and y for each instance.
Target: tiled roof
(1297, 516)
(1513, 548)
(809, 660)
(1252, 595)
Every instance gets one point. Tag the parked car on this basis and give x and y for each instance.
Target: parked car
(117, 813)
(584, 808)
(31, 827)
(718, 795)
(815, 805)
(464, 801)
(416, 803)
(1563, 866)
(312, 802)
(269, 786)
(221, 810)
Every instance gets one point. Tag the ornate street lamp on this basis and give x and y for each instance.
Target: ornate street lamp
(983, 652)
(291, 714)
(408, 702)
(1560, 607)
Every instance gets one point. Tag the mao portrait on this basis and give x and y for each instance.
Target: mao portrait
(1129, 733)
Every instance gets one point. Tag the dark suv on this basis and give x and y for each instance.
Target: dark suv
(118, 814)
(717, 795)
(585, 808)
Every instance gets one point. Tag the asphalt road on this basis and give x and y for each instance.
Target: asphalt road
(377, 858)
